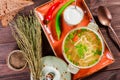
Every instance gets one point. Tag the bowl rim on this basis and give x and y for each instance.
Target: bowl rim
(102, 42)
(8, 61)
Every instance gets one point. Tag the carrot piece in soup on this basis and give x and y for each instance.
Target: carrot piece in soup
(75, 38)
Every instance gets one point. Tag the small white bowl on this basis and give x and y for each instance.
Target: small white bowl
(73, 15)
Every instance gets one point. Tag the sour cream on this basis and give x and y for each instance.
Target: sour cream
(73, 15)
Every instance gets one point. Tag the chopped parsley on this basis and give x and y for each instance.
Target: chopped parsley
(81, 50)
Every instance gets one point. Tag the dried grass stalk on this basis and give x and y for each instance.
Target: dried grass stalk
(27, 32)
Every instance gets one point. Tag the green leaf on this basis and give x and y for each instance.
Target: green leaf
(81, 50)
(99, 52)
(83, 29)
(66, 50)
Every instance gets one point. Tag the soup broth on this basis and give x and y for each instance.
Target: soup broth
(82, 47)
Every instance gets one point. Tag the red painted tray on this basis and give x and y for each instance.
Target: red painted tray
(50, 32)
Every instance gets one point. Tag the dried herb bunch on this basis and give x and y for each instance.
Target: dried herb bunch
(27, 32)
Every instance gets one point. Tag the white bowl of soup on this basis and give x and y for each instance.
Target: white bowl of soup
(82, 48)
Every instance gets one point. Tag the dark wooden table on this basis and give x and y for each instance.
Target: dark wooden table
(7, 44)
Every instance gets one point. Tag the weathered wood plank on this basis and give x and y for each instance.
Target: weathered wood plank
(5, 49)
(8, 74)
(5, 70)
(107, 75)
(6, 35)
(114, 66)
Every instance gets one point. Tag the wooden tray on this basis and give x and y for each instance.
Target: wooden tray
(56, 45)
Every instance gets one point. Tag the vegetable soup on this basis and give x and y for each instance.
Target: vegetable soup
(82, 47)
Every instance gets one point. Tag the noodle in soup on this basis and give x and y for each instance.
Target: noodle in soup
(82, 47)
